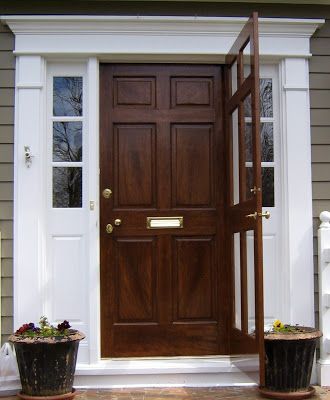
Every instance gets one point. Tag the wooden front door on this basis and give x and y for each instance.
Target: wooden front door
(163, 290)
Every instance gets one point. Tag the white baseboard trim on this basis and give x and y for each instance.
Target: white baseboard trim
(9, 387)
(323, 372)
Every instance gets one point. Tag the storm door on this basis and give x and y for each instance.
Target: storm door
(244, 212)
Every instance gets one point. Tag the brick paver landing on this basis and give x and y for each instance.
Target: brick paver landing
(178, 393)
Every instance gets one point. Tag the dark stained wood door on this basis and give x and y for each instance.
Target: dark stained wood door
(162, 155)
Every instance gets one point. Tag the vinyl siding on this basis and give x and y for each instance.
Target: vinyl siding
(319, 98)
(7, 84)
(320, 130)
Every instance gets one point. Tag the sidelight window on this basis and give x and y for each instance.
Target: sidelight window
(67, 141)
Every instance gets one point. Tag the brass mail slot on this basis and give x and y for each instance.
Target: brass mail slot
(164, 222)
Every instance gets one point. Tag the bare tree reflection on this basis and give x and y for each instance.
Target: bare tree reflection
(67, 141)
(266, 100)
(67, 97)
(67, 187)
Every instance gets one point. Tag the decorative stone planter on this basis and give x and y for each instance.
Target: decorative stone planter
(289, 362)
(47, 365)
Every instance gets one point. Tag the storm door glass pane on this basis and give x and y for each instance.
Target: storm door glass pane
(67, 187)
(246, 61)
(234, 76)
(267, 141)
(67, 141)
(248, 151)
(268, 199)
(237, 272)
(250, 281)
(67, 96)
(235, 144)
(266, 98)
(268, 187)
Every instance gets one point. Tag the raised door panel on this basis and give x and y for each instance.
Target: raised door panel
(134, 160)
(192, 172)
(191, 91)
(194, 279)
(135, 91)
(136, 279)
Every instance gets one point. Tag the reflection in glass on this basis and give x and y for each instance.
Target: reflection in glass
(250, 281)
(234, 77)
(249, 181)
(267, 141)
(267, 185)
(237, 272)
(67, 96)
(266, 100)
(248, 150)
(67, 141)
(235, 156)
(67, 187)
(246, 61)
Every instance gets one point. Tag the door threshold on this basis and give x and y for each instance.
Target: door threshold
(169, 372)
(164, 365)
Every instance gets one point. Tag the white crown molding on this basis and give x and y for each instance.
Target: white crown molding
(154, 35)
(51, 24)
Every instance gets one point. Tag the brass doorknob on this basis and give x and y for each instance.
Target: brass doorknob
(265, 214)
(107, 193)
(109, 228)
(117, 222)
(255, 215)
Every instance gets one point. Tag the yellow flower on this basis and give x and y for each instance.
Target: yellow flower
(47, 328)
(278, 325)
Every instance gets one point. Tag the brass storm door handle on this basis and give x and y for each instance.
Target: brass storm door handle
(255, 215)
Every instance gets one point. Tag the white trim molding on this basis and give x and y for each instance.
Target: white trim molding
(155, 38)
(42, 42)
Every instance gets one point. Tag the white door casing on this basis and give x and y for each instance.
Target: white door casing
(47, 45)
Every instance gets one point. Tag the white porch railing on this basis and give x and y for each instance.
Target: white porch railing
(324, 298)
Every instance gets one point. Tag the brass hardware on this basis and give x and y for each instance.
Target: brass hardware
(255, 215)
(254, 190)
(109, 228)
(117, 222)
(107, 193)
(164, 222)
(265, 214)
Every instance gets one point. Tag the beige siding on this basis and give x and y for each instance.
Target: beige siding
(7, 83)
(320, 121)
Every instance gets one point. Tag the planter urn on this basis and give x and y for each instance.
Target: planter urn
(289, 360)
(47, 365)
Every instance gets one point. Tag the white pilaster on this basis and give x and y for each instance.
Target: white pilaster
(297, 193)
(29, 188)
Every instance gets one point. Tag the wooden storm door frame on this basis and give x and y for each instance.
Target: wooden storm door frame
(244, 213)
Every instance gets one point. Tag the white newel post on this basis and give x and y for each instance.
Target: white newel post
(324, 297)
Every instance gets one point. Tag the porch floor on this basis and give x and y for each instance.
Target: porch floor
(178, 393)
